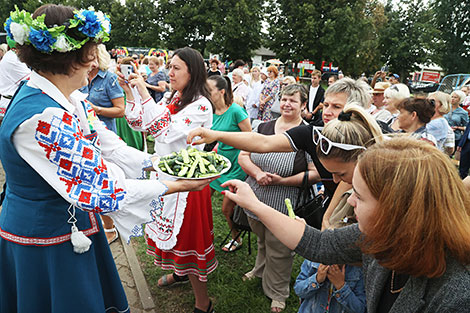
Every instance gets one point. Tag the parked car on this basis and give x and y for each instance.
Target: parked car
(423, 87)
(454, 82)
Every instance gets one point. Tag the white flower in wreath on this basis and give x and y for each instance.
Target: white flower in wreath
(62, 44)
(20, 32)
(104, 21)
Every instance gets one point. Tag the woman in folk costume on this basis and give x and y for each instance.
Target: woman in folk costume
(63, 167)
(182, 237)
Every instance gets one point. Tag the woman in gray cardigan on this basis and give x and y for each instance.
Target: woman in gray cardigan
(413, 231)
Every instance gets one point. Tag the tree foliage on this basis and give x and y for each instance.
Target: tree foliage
(406, 40)
(342, 32)
(134, 24)
(452, 47)
(237, 32)
(187, 22)
(356, 35)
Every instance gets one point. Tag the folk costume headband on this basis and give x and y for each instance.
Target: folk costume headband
(85, 25)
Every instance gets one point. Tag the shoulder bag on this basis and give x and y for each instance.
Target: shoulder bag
(309, 206)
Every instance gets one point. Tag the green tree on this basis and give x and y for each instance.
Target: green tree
(342, 32)
(452, 47)
(134, 24)
(186, 22)
(238, 28)
(406, 40)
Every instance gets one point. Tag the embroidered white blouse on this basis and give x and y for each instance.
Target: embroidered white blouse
(170, 132)
(108, 173)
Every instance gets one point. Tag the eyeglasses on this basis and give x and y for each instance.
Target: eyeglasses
(326, 144)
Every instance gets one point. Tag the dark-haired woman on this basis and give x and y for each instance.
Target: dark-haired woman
(414, 114)
(63, 167)
(182, 239)
(230, 118)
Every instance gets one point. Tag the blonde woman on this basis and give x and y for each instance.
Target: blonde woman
(256, 85)
(392, 96)
(156, 81)
(438, 126)
(457, 117)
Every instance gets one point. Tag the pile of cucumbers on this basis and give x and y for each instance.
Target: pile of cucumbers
(192, 163)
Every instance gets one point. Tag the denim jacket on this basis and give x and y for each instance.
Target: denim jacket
(351, 298)
(101, 90)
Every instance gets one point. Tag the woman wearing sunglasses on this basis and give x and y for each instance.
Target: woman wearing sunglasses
(412, 234)
(298, 138)
(342, 140)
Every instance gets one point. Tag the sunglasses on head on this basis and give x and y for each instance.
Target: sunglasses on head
(326, 144)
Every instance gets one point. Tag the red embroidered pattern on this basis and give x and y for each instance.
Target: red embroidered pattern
(79, 164)
(173, 106)
(202, 108)
(33, 241)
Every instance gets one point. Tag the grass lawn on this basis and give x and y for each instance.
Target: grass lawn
(226, 288)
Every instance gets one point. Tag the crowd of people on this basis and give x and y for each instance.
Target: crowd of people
(396, 209)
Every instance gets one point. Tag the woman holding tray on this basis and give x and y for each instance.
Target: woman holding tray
(181, 239)
(64, 167)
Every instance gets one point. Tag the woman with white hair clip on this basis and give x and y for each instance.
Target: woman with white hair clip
(104, 92)
(457, 117)
(392, 96)
(438, 126)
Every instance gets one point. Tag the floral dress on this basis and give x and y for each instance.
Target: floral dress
(270, 88)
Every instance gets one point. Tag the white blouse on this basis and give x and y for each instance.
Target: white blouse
(101, 175)
(170, 132)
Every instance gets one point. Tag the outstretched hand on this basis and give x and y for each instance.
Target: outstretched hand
(241, 193)
(205, 136)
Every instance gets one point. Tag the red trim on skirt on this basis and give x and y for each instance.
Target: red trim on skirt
(194, 250)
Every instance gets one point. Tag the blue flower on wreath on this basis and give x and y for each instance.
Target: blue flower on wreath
(7, 27)
(41, 39)
(91, 25)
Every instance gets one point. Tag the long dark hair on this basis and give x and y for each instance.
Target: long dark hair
(197, 85)
(225, 84)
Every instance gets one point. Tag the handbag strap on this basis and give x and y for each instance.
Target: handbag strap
(303, 191)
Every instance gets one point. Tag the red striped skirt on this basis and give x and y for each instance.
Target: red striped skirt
(194, 250)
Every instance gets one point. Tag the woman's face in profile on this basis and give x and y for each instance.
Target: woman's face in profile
(80, 75)
(179, 74)
(363, 202)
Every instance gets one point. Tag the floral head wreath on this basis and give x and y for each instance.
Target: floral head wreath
(23, 29)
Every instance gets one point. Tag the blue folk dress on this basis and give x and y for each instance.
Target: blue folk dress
(52, 166)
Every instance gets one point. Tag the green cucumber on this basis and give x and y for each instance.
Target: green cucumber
(290, 211)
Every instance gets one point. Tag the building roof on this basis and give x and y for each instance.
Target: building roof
(264, 52)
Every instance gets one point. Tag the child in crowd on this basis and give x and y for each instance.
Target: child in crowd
(330, 288)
